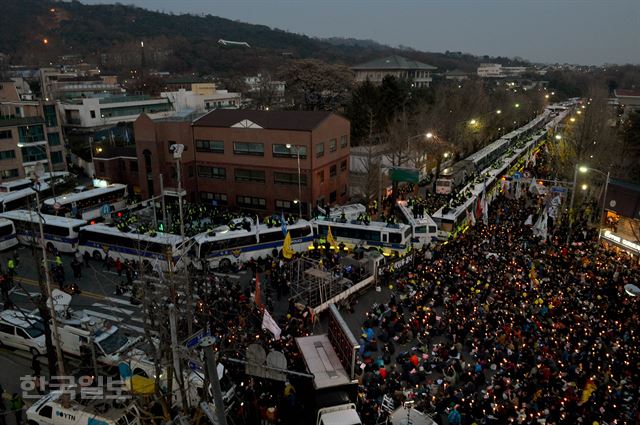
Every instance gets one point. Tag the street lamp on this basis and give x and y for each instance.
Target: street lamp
(473, 122)
(289, 146)
(584, 169)
(558, 137)
(499, 111)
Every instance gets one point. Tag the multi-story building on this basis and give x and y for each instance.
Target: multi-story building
(29, 134)
(203, 97)
(496, 70)
(397, 66)
(118, 164)
(628, 100)
(66, 85)
(249, 159)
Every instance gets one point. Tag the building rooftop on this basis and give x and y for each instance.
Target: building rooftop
(109, 152)
(272, 120)
(392, 63)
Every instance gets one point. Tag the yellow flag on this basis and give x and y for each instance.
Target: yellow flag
(330, 238)
(533, 276)
(287, 251)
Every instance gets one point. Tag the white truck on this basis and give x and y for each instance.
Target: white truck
(79, 332)
(49, 410)
(334, 393)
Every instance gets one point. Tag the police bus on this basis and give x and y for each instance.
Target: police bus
(100, 240)
(90, 204)
(387, 238)
(224, 246)
(19, 184)
(60, 233)
(7, 234)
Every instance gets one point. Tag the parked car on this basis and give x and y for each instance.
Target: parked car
(22, 331)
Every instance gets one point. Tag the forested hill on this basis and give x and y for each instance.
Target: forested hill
(111, 34)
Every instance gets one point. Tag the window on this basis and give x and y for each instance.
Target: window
(332, 197)
(33, 153)
(332, 171)
(289, 178)
(7, 329)
(50, 117)
(92, 113)
(283, 205)
(212, 146)
(54, 139)
(343, 141)
(333, 145)
(247, 148)
(190, 171)
(30, 134)
(7, 174)
(319, 150)
(5, 134)
(169, 144)
(56, 157)
(46, 412)
(251, 202)
(250, 175)
(321, 176)
(343, 165)
(21, 333)
(282, 151)
(133, 166)
(214, 198)
(7, 155)
(212, 172)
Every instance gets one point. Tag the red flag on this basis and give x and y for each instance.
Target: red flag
(257, 295)
(479, 208)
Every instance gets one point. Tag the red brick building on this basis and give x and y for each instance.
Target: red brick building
(240, 158)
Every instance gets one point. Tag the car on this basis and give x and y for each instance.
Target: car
(22, 331)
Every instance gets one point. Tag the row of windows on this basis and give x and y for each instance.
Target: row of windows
(254, 176)
(49, 229)
(333, 146)
(7, 155)
(269, 236)
(251, 202)
(360, 233)
(125, 242)
(6, 134)
(257, 149)
(7, 174)
(333, 171)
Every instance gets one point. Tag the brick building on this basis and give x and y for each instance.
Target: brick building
(240, 158)
(118, 164)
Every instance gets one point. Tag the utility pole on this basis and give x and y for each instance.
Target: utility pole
(164, 207)
(175, 353)
(212, 370)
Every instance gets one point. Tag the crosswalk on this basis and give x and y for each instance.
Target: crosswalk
(119, 310)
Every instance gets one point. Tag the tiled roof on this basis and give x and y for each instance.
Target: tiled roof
(392, 63)
(274, 120)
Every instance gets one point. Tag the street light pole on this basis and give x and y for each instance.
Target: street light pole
(573, 195)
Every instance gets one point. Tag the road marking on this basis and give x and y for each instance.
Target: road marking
(22, 292)
(118, 300)
(137, 319)
(87, 294)
(110, 307)
(103, 316)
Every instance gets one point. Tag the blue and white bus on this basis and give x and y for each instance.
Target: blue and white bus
(100, 240)
(60, 233)
(7, 234)
(388, 238)
(223, 246)
(88, 205)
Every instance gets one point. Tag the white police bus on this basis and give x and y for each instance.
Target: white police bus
(7, 234)
(88, 205)
(223, 246)
(100, 240)
(60, 233)
(388, 238)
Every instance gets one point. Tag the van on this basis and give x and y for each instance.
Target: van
(22, 331)
(50, 411)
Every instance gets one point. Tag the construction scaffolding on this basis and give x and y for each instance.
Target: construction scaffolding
(312, 284)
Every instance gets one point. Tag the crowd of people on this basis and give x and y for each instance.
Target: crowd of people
(503, 326)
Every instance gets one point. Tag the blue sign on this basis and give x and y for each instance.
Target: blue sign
(517, 176)
(197, 339)
(106, 209)
(558, 189)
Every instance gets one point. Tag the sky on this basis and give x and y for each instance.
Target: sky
(564, 31)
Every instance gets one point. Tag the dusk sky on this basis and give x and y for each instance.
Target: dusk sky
(572, 31)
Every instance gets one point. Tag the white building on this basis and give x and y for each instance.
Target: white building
(490, 70)
(257, 83)
(110, 110)
(496, 70)
(203, 97)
